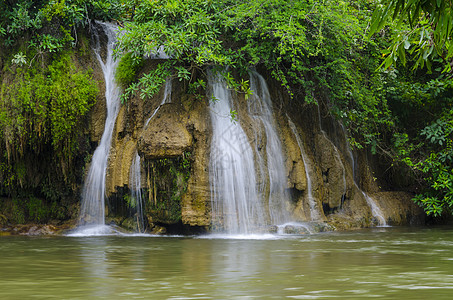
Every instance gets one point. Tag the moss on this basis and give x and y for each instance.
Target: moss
(43, 109)
(127, 69)
(46, 104)
(167, 180)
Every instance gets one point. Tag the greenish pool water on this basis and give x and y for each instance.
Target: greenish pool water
(384, 263)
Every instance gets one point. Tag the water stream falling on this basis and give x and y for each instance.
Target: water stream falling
(376, 212)
(314, 210)
(236, 207)
(260, 108)
(92, 207)
(165, 99)
(135, 186)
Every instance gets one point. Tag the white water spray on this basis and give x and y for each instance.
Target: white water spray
(260, 108)
(92, 207)
(375, 210)
(135, 185)
(236, 206)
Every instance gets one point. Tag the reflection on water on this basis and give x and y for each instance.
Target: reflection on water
(388, 263)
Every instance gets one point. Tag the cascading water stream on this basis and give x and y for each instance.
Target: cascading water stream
(136, 192)
(236, 207)
(165, 99)
(135, 184)
(314, 210)
(92, 207)
(260, 108)
(375, 210)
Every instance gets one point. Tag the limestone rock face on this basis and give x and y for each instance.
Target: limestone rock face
(399, 209)
(294, 163)
(166, 134)
(333, 171)
(181, 131)
(97, 117)
(178, 131)
(98, 113)
(196, 202)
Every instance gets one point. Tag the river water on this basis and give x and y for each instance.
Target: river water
(386, 263)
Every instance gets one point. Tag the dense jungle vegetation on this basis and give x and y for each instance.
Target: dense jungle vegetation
(382, 67)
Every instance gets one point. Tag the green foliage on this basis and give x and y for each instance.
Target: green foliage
(18, 212)
(432, 158)
(438, 133)
(19, 59)
(41, 112)
(169, 182)
(32, 209)
(148, 84)
(46, 105)
(421, 36)
(52, 24)
(304, 44)
(130, 200)
(197, 88)
(126, 71)
(425, 31)
(190, 32)
(438, 167)
(20, 18)
(36, 210)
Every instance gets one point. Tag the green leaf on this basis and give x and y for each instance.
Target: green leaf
(407, 44)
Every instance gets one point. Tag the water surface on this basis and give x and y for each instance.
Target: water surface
(386, 263)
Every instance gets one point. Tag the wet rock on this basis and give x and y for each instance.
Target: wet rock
(399, 209)
(165, 136)
(293, 229)
(321, 227)
(272, 229)
(333, 171)
(159, 230)
(33, 230)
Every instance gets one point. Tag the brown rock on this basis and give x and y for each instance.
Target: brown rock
(166, 134)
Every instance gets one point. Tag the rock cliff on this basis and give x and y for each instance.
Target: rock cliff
(179, 134)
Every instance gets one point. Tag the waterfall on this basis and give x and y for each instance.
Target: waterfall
(314, 211)
(92, 207)
(165, 99)
(236, 206)
(136, 200)
(260, 108)
(135, 184)
(375, 210)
